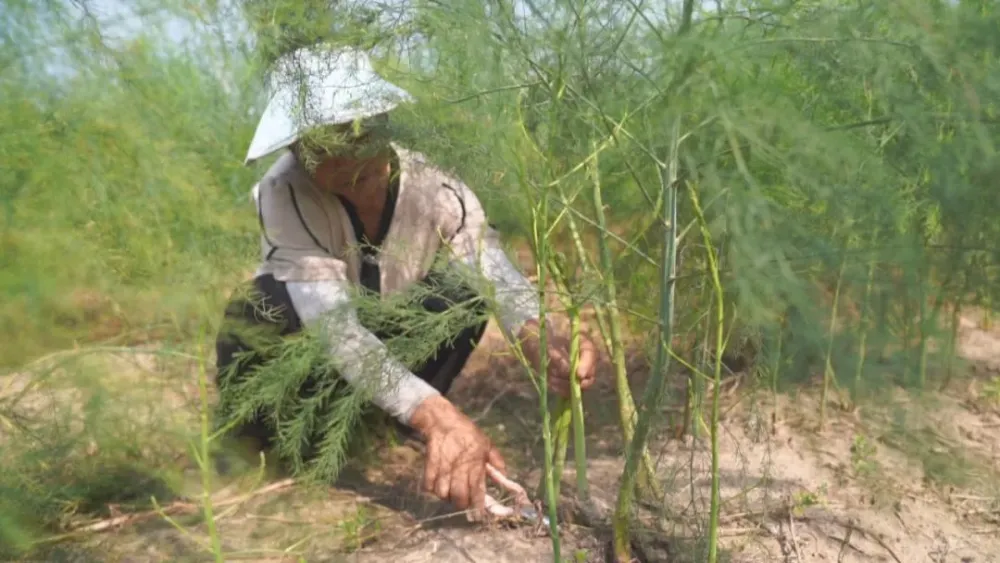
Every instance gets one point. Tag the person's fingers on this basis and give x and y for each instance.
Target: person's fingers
(431, 467)
(476, 515)
(559, 382)
(496, 460)
(560, 388)
(477, 490)
(442, 488)
(562, 358)
(459, 486)
(588, 356)
(558, 360)
(587, 366)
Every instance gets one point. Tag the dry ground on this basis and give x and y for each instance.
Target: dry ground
(911, 480)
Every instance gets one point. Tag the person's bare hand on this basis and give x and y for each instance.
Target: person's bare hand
(559, 368)
(457, 454)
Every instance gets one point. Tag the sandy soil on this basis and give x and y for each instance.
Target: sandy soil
(911, 480)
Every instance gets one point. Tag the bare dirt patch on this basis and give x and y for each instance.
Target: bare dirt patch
(913, 479)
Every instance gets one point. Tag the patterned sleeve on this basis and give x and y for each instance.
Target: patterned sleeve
(475, 244)
(360, 357)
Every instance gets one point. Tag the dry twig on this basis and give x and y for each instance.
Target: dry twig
(888, 549)
(795, 540)
(844, 544)
(174, 508)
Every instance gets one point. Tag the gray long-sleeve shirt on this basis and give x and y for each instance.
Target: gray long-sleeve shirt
(308, 242)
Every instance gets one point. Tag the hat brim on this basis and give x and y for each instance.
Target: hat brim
(319, 96)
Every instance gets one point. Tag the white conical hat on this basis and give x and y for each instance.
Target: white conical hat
(317, 86)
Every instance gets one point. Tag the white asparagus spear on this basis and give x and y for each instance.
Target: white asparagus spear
(522, 503)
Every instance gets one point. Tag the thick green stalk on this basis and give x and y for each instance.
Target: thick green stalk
(713, 266)
(907, 320)
(656, 385)
(626, 405)
(929, 319)
(626, 409)
(541, 244)
(924, 324)
(204, 465)
(883, 308)
(776, 369)
(697, 392)
(828, 374)
(865, 322)
(956, 321)
(566, 418)
(541, 267)
(570, 411)
(576, 395)
(579, 429)
(543, 394)
(562, 413)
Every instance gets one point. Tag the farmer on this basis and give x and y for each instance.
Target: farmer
(343, 209)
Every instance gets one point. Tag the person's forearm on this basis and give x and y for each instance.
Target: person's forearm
(516, 297)
(359, 356)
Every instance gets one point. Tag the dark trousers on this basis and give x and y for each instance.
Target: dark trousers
(268, 306)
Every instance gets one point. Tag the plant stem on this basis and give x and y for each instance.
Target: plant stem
(203, 459)
(609, 325)
(956, 319)
(776, 368)
(828, 373)
(563, 417)
(626, 405)
(956, 322)
(541, 251)
(865, 322)
(570, 411)
(713, 267)
(697, 394)
(924, 332)
(579, 430)
(908, 318)
(656, 385)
